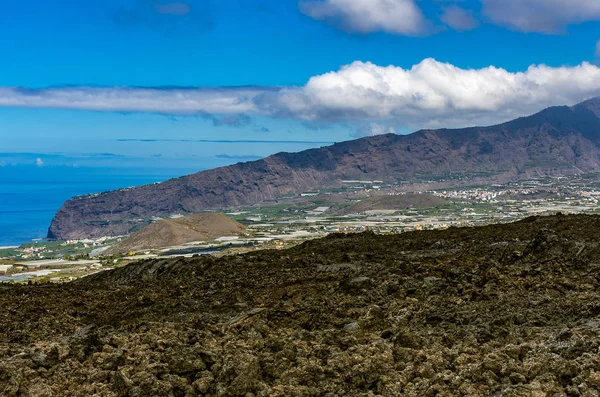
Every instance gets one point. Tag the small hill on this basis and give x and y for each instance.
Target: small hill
(396, 202)
(171, 232)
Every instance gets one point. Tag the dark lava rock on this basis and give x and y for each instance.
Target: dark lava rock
(505, 310)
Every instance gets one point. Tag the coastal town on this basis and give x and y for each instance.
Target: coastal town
(316, 214)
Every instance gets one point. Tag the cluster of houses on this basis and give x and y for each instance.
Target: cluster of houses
(483, 195)
(86, 242)
(34, 252)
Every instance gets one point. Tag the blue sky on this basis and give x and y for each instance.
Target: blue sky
(78, 77)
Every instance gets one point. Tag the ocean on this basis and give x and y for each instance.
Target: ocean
(30, 196)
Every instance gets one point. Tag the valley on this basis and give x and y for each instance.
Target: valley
(358, 207)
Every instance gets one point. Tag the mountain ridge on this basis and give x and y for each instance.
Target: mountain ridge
(557, 141)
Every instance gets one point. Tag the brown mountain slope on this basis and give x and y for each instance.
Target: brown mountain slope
(396, 202)
(171, 232)
(557, 141)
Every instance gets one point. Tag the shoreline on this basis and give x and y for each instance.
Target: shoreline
(37, 240)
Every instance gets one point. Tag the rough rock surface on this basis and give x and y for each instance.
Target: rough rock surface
(506, 310)
(557, 141)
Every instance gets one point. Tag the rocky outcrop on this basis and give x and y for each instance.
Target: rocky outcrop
(556, 141)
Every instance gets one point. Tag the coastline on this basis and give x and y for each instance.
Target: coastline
(31, 196)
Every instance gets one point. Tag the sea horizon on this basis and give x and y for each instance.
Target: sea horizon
(31, 196)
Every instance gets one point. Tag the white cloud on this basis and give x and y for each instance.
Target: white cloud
(406, 18)
(542, 16)
(438, 94)
(39, 162)
(393, 16)
(155, 100)
(458, 18)
(430, 94)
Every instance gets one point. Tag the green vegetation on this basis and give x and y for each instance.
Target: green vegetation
(45, 250)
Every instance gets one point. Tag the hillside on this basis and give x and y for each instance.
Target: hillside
(557, 141)
(396, 202)
(172, 232)
(508, 310)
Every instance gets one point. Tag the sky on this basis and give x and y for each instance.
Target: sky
(205, 83)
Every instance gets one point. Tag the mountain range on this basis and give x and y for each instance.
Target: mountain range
(554, 142)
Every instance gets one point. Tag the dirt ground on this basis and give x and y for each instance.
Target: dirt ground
(505, 310)
(172, 232)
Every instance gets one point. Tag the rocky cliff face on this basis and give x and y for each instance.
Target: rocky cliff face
(557, 141)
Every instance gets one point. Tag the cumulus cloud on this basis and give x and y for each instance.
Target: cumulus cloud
(430, 94)
(458, 18)
(541, 16)
(366, 16)
(406, 18)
